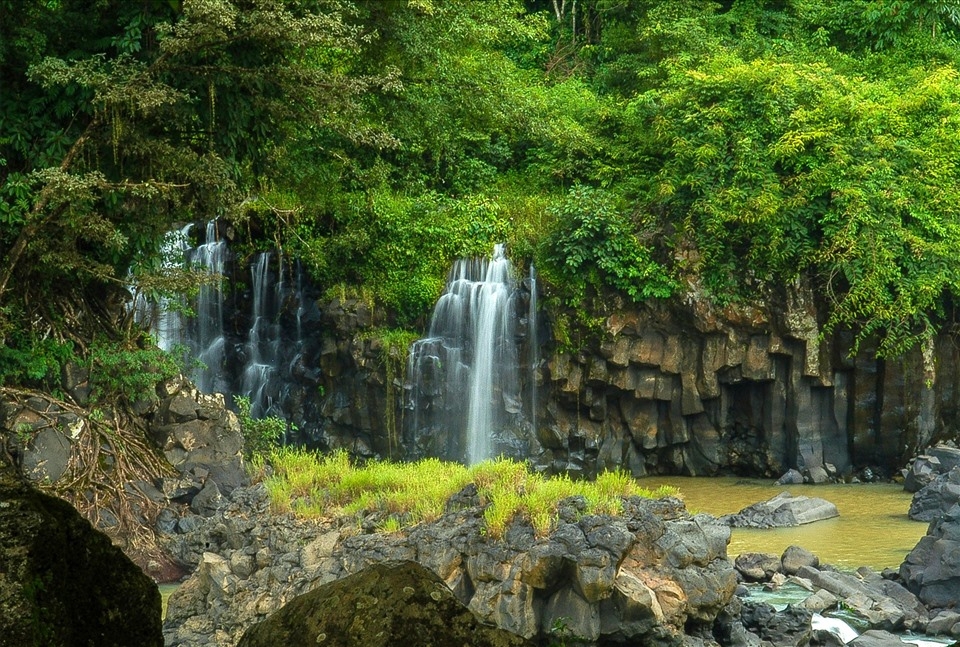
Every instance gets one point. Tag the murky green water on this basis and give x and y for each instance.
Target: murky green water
(165, 591)
(872, 530)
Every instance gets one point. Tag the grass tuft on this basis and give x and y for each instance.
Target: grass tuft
(405, 494)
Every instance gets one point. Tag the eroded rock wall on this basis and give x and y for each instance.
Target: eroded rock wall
(680, 388)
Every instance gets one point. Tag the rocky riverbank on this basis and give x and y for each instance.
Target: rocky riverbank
(652, 575)
(656, 575)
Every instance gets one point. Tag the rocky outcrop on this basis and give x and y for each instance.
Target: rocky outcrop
(648, 576)
(933, 462)
(200, 439)
(62, 583)
(678, 387)
(385, 604)
(936, 497)
(782, 511)
(877, 601)
(931, 570)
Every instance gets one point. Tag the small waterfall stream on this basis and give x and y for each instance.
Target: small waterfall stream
(263, 340)
(533, 347)
(463, 379)
(207, 339)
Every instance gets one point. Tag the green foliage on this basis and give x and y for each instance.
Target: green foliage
(594, 246)
(35, 361)
(260, 435)
(128, 372)
(771, 169)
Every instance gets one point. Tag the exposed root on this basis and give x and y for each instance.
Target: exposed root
(110, 457)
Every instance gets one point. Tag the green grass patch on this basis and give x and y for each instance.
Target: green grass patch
(404, 494)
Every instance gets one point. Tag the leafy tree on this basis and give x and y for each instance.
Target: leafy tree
(142, 116)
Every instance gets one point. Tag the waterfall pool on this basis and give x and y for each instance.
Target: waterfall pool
(872, 530)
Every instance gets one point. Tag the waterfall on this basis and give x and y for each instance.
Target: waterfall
(208, 340)
(164, 315)
(263, 339)
(533, 347)
(463, 379)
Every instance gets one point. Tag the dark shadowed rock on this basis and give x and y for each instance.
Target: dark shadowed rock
(757, 567)
(791, 477)
(932, 569)
(62, 583)
(936, 460)
(399, 603)
(790, 627)
(782, 511)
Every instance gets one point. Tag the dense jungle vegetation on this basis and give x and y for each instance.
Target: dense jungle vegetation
(644, 147)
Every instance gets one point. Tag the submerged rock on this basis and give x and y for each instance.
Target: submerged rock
(62, 583)
(399, 603)
(782, 511)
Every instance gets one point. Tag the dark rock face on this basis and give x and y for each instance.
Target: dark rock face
(670, 389)
(934, 461)
(932, 569)
(788, 628)
(384, 604)
(62, 583)
(782, 511)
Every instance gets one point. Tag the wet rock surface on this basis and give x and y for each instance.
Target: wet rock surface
(936, 497)
(932, 569)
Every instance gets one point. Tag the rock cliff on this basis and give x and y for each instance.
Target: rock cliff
(680, 388)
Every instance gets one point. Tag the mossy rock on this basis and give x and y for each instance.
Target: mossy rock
(63, 583)
(392, 603)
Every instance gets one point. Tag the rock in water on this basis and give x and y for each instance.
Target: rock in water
(390, 603)
(62, 583)
(932, 569)
(783, 510)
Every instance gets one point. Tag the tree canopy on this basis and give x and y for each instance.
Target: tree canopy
(632, 147)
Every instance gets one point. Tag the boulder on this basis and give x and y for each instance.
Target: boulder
(936, 460)
(398, 603)
(932, 570)
(876, 638)
(791, 477)
(794, 558)
(788, 628)
(880, 603)
(783, 510)
(64, 583)
(757, 567)
(936, 497)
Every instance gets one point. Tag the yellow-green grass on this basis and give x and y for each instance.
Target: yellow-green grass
(328, 485)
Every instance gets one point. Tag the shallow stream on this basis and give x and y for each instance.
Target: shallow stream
(873, 528)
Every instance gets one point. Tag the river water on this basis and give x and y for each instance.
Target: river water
(872, 530)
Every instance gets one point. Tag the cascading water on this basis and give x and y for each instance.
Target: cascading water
(263, 340)
(533, 347)
(463, 380)
(207, 335)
